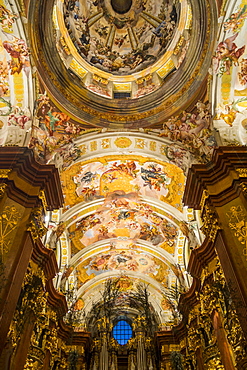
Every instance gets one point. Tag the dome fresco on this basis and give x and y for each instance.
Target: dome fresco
(139, 37)
(125, 41)
(107, 61)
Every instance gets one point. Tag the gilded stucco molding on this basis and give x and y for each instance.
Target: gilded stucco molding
(4, 173)
(9, 218)
(238, 224)
(36, 225)
(244, 189)
(210, 222)
(203, 198)
(42, 197)
(3, 188)
(242, 172)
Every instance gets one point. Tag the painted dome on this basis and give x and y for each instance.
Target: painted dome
(122, 37)
(102, 57)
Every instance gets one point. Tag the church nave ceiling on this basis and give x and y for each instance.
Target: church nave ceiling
(123, 102)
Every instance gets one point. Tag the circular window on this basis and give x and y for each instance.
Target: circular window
(122, 332)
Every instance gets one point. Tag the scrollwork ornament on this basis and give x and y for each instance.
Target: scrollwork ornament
(210, 225)
(139, 323)
(13, 336)
(36, 225)
(32, 301)
(204, 198)
(63, 364)
(52, 341)
(8, 221)
(194, 339)
(36, 354)
(42, 197)
(29, 365)
(4, 173)
(244, 189)
(214, 363)
(113, 345)
(3, 188)
(132, 344)
(238, 225)
(208, 300)
(242, 172)
(235, 336)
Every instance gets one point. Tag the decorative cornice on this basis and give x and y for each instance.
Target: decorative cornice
(173, 336)
(189, 299)
(56, 299)
(71, 337)
(201, 257)
(45, 258)
(226, 162)
(36, 177)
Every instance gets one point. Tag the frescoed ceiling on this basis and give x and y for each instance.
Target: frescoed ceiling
(123, 215)
(123, 97)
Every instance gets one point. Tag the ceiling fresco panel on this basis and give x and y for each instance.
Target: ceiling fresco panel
(155, 179)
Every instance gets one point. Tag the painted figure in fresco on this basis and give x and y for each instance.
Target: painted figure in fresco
(129, 168)
(4, 80)
(119, 56)
(236, 20)
(242, 75)
(6, 17)
(43, 105)
(193, 130)
(177, 155)
(98, 90)
(87, 222)
(4, 89)
(88, 177)
(55, 121)
(19, 53)
(158, 31)
(144, 90)
(135, 221)
(227, 54)
(164, 31)
(151, 234)
(4, 70)
(104, 233)
(20, 117)
(53, 134)
(127, 260)
(153, 177)
(57, 231)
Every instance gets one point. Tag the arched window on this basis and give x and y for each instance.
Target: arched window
(122, 332)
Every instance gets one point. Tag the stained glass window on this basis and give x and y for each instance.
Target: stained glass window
(122, 332)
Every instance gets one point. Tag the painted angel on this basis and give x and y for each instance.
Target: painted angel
(235, 21)
(227, 54)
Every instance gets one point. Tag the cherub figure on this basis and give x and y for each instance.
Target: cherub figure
(227, 54)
